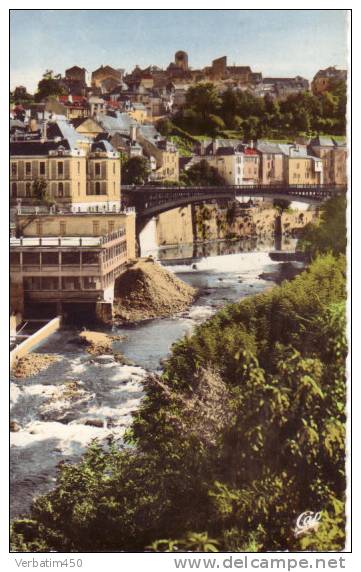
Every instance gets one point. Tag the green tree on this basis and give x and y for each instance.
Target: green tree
(39, 188)
(214, 125)
(203, 99)
(165, 126)
(329, 233)
(203, 175)
(135, 171)
(48, 86)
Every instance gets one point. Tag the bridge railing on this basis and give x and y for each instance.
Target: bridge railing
(271, 187)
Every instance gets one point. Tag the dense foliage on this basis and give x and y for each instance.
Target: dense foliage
(201, 174)
(206, 111)
(243, 431)
(329, 234)
(49, 86)
(135, 171)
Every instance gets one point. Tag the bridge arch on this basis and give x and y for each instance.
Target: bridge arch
(151, 201)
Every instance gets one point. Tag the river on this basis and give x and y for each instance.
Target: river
(57, 424)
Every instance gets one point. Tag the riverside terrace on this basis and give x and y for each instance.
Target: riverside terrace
(51, 275)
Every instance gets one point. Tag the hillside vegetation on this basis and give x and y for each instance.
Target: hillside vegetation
(207, 112)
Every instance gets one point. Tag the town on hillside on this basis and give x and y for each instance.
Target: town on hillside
(81, 148)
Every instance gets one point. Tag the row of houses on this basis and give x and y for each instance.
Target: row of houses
(323, 160)
(80, 161)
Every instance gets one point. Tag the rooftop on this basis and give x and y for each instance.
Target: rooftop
(38, 147)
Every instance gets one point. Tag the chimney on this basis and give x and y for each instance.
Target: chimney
(43, 128)
(133, 133)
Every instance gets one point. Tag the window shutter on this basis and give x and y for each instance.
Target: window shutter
(53, 169)
(103, 188)
(34, 169)
(67, 189)
(104, 170)
(21, 169)
(67, 169)
(53, 189)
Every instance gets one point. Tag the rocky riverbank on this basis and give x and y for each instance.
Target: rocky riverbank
(32, 364)
(98, 343)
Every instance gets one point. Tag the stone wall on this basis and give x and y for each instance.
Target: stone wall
(214, 222)
(175, 226)
(228, 220)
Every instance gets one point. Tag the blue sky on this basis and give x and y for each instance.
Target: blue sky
(274, 42)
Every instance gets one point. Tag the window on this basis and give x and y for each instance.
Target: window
(28, 190)
(95, 228)
(97, 188)
(50, 259)
(27, 168)
(15, 258)
(62, 228)
(111, 226)
(114, 188)
(78, 189)
(113, 168)
(39, 227)
(97, 168)
(32, 283)
(49, 283)
(14, 190)
(14, 169)
(70, 258)
(70, 283)
(60, 168)
(297, 166)
(78, 167)
(90, 257)
(60, 189)
(89, 283)
(32, 258)
(42, 168)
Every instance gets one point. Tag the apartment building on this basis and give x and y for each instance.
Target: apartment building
(61, 168)
(301, 168)
(237, 165)
(271, 163)
(229, 164)
(164, 154)
(334, 159)
(66, 174)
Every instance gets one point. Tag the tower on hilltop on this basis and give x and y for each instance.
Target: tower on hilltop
(181, 60)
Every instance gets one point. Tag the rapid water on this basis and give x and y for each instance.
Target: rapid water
(80, 397)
